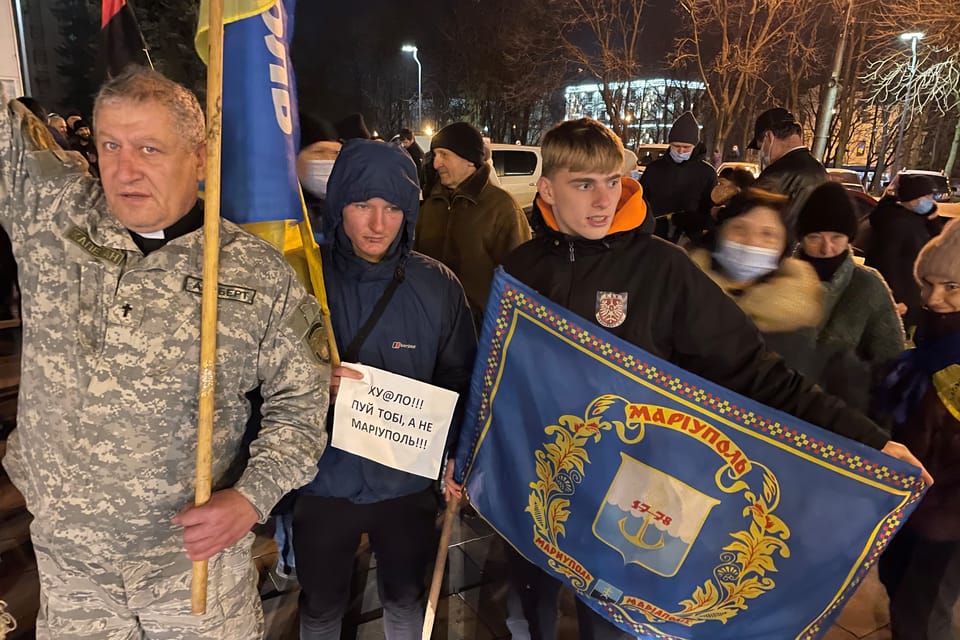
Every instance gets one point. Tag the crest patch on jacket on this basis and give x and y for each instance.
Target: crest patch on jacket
(611, 308)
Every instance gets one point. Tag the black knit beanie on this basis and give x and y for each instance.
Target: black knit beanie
(829, 208)
(910, 187)
(461, 138)
(315, 129)
(353, 126)
(686, 129)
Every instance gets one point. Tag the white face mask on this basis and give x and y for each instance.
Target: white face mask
(316, 176)
(743, 262)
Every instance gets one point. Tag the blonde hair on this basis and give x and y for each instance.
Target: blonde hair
(140, 84)
(581, 145)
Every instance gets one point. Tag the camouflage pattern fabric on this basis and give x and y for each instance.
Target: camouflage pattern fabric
(147, 596)
(104, 450)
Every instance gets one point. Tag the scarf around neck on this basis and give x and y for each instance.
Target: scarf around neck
(935, 360)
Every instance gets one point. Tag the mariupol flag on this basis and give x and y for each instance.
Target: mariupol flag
(122, 43)
(261, 130)
(674, 507)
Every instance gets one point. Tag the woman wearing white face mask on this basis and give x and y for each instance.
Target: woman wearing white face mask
(747, 258)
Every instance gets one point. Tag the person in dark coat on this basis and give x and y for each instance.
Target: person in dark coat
(466, 221)
(82, 141)
(921, 567)
(590, 223)
(861, 331)
(900, 226)
(409, 142)
(678, 185)
(789, 167)
(425, 333)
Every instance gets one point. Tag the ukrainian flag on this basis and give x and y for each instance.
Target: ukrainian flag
(261, 130)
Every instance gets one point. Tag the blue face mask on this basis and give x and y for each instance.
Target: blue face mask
(924, 207)
(680, 157)
(742, 262)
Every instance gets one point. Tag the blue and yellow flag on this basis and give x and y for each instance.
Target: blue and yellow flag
(261, 129)
(672, 506)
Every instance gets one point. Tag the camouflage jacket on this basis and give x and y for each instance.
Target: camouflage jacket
(105, 443)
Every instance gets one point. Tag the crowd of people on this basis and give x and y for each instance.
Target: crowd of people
(764, 297)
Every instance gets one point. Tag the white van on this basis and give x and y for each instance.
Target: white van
(518, 168)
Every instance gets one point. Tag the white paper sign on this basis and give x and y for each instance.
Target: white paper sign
(397, 421)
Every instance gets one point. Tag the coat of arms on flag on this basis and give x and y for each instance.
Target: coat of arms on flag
(675, 508)
(651, 518)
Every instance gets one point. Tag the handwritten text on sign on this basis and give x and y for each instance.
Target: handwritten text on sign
(397, 421)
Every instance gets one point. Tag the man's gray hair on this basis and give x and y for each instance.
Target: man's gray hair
(140, 84)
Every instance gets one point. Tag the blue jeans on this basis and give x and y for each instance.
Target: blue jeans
(326, 534)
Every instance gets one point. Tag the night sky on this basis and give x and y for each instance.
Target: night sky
(335, 41)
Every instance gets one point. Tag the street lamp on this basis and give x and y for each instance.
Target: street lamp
(409, 48)
(913, 38)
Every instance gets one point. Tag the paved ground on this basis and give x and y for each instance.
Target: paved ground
(473, 603)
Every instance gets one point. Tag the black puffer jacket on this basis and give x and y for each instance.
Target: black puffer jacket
(897, 235)
(673, 311)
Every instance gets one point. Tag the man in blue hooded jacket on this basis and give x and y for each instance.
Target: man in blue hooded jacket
(426, 333)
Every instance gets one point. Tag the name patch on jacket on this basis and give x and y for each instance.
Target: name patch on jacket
(224, 291)
(611, 308)
(80, 237)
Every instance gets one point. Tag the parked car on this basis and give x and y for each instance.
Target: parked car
(942, 193)
(518, 168)
(752, 167)
(849, 179)
(647, 153)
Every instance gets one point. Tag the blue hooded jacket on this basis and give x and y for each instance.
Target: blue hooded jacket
(425, 333)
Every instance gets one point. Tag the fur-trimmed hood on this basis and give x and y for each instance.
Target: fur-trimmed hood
(788, 299)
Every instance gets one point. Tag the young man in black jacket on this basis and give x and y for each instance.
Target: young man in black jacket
(678, 185)
(594, 235)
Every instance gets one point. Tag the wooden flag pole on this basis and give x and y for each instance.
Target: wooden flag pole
(312, 254)
(453, 506)
(211, 265)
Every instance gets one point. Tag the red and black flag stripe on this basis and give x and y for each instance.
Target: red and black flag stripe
(121, 40)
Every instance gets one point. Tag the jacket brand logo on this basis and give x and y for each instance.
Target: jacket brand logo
(611, 308)
(401, 345)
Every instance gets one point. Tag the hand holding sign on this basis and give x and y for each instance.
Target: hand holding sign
(336, 375)
(397, 421)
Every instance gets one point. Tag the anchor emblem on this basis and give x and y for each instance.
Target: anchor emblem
(637, 538)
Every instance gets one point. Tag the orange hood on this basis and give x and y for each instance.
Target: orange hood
(631, 210)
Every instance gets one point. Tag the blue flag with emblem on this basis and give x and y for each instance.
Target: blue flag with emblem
(261, 129)
(674, 507)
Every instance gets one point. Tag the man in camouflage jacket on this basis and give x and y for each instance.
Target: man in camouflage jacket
(105, 445)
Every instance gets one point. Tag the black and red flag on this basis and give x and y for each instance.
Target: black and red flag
(121, 40)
